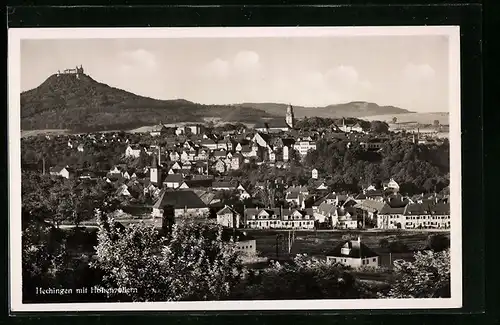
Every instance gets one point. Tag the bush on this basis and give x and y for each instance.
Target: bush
(398, 247)
(427, 277)
(304, 278)
(438, 242)
(383, 243)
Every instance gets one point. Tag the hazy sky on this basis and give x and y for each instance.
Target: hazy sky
(406, 71)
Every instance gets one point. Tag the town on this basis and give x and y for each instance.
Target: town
(248, 179)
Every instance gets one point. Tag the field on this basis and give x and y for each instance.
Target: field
(421, 118)
(318, 243)
(31, 133)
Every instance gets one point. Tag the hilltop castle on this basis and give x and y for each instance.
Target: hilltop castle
(78, 71)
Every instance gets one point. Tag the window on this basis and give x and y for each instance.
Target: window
(374, 259)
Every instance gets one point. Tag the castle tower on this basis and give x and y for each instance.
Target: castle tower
(289, 116)
(155, 173)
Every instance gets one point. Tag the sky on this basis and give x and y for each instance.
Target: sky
(410, 72)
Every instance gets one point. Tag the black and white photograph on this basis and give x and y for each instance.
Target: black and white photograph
(205, 169)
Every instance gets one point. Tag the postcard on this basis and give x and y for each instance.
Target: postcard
(243, 169)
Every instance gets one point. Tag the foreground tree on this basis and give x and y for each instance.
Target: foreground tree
(304, 278)
(190, 263)
(426, 277)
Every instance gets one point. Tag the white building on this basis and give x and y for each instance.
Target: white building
(133, 151)
(353, 253)
(228, 217)
(303, 147)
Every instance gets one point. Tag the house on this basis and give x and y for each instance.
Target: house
(279, 218)
(369, 208)
(220, 166)
(296, 198)
(372, 144)
(174, 156)
(228, 217)
(243, 192)
(65, 172)
(220, 154)
(391, 185)
(202, 155)
(262, 139)
(297, 219)
(192, 129)
(390, 218)
(197, 183)
(180, 130)
(346, 221)
(244, 243)
(326, 213)
(223, 186)
(122, 191)
(314, 174)
(353, 253)
(158, 130)
(188, 155)
(426, 216)
(80, 148)
(356, 127)
(173, 181)
(303, 147)
(262, 218)
(209, 144)
(184, 202)
(236, 161)
(322, 186)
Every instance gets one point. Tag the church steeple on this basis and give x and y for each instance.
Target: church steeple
(154, 173)
(289, 116)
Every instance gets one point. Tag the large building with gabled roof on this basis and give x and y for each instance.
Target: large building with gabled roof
(184, 202)
(353, 253)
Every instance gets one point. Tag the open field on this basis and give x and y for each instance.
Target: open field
(421, 118)
(31, 133)
(318, 243)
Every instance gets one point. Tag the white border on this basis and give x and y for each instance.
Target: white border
(14, 86)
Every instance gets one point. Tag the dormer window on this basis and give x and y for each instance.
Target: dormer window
(345, 251)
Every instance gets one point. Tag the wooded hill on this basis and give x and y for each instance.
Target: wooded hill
(83, 104)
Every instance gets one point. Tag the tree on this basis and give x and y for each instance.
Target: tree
(394, 119)
(436, 123)
(383, 243)
(294, 157)
(426, 277)
(194, 263)
(303, 278)
(438, 242)
(379, 127)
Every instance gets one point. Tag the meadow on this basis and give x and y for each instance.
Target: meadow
(319, 243)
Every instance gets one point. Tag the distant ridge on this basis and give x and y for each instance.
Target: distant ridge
(351, 109)
(80, 103)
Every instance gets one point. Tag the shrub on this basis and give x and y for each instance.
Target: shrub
(426, 277)
(438, 242)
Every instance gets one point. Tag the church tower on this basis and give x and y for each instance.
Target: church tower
(154, 173)
(289, 116)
